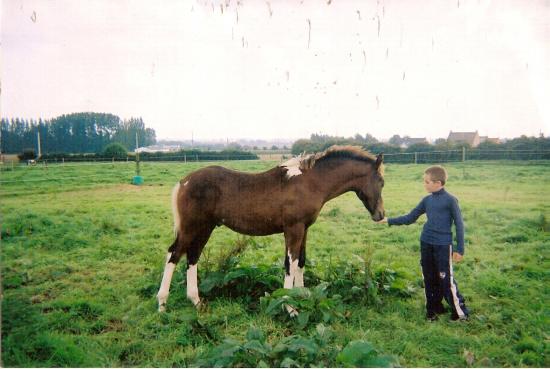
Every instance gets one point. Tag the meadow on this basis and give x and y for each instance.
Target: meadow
(83, 252)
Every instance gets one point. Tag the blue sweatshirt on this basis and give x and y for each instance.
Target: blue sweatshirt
(442, 210)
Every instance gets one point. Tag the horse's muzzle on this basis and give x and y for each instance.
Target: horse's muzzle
(378, 215)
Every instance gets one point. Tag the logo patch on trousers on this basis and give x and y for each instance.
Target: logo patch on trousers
(442, 275)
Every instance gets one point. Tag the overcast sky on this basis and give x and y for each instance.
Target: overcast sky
(283, 69)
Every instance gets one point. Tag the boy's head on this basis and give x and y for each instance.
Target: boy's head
(434, 178)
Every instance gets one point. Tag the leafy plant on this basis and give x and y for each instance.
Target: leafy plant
(314, 350)
(313, 305)
(254, 351)
(249, 282)
(394, 282)
(361, 354)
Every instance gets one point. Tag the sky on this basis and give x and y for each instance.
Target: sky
(283, 69)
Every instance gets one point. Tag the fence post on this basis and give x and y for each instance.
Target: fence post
(185, 158)
(63, 161)
(416, 158)
(463, 154)
(197, 158)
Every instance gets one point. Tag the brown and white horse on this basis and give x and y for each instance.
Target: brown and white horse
(286, 199)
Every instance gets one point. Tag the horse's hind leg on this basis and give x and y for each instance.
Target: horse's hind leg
(193, 254)
(174, 254)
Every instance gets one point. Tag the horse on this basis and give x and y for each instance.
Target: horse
(286, 199)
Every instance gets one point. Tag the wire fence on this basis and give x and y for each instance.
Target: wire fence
(55, 175)
(432, 157)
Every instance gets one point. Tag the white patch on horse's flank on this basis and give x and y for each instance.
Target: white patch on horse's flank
(192, 287)
(293, 167)
(164, 289)
(175, 211)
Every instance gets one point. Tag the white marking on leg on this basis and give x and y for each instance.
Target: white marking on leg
(192, 286)
(299, 277)
(289, 283)
(453, 287)
(293, 266)
(164, 289)
(175, 211)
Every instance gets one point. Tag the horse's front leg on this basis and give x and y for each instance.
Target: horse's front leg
(294, 236)
(299, 277)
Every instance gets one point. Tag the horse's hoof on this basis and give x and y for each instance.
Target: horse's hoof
(162, 308)
(291, 311)
(200, 306)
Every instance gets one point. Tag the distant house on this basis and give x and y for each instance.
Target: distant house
(470, 138)
(489, 139)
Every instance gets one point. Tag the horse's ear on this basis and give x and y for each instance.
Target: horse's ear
(379, 160)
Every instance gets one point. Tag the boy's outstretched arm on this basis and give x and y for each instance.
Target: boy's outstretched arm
(409, 218)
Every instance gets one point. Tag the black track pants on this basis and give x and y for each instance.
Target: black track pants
(439, 282)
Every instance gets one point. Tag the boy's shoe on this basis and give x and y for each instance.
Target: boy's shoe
(431, 317)
(456, 318)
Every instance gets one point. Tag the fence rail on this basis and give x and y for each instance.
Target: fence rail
(426, 157)
(402, 157)
(20, 179)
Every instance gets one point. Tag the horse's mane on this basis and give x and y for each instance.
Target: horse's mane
(305, 162)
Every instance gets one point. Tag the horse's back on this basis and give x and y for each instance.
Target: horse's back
(246, 202)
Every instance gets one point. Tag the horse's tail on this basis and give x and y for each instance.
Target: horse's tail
(175, 212)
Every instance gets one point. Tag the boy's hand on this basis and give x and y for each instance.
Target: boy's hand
(382, 221)
(457, 258)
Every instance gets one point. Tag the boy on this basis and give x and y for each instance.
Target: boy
(442, 210)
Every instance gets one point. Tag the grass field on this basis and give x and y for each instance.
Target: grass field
(83, 253)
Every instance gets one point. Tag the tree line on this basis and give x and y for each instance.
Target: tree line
(318, 143)
(73, 133)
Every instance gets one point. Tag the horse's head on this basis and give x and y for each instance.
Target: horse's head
(369, 190)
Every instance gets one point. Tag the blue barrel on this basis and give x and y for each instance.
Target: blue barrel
(137, 180)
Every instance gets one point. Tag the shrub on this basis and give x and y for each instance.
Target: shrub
(115, 150)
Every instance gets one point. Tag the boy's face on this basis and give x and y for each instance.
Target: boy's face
(431, 186)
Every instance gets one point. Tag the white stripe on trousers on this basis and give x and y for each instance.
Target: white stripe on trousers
(453, 286)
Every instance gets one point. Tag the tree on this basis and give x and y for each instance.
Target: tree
(396, 140)
(370, 139)
(115, 150)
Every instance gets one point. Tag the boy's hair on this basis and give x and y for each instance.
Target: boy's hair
(437, 173)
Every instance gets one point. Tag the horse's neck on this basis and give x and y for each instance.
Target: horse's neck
(335, 179)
